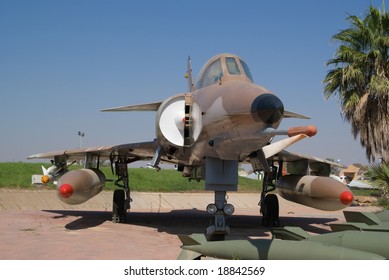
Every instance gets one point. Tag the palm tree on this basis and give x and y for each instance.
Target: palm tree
(360, 78)
(378, 175)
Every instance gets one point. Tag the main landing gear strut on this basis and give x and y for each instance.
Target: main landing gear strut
(269, 206)
(268, 203)
(121, 197)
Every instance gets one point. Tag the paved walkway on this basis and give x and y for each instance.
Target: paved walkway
(36, 225)
(16, 199)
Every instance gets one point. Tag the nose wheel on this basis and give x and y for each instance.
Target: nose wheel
(220, 176)
(219, 210)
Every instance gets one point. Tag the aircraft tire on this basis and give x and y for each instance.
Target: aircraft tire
(118, 206)
(271, 211)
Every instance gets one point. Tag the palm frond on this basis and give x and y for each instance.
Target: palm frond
(378, 175)
(360, 78)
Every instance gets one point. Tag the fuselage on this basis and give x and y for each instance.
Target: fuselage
(229, 128)
(226, 115)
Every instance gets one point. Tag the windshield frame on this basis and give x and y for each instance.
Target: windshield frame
(212, 74)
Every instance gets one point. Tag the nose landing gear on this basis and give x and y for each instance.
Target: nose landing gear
(220, 209)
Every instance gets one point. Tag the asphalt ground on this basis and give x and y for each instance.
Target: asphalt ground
(35, 225)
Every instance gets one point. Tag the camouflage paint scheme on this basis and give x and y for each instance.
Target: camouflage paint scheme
(224, 118)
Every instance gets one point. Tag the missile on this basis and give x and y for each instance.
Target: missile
(370, 218)
(195, 245)
(323, 193)
(53, 172)
(373, 242)
(360, 227)
(48, 174)
(364, 221)
(77, 186)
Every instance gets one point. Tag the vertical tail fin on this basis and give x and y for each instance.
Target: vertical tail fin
(189, 75)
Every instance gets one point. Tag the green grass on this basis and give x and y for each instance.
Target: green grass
(18, 175)
(382, 201)
(364, 192)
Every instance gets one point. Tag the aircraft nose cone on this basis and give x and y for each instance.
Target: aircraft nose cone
(267, 108)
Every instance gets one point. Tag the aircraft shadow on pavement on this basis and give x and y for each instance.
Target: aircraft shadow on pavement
(87, 219)
(189, 221)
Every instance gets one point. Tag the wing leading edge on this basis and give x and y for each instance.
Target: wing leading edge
(143, 150)
(141, 107)
(290, 157)
(300, 164)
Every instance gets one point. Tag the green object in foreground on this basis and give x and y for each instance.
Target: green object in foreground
(364, 221)
(367, 241)
(195, 245)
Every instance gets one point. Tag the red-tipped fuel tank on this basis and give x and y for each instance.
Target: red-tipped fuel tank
(77, 186)
(323, 193)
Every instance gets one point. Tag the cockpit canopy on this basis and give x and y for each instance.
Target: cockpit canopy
(222, 68)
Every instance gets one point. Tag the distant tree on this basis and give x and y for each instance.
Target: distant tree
(360, 78)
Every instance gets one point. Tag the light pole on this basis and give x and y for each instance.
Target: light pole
(81, 134)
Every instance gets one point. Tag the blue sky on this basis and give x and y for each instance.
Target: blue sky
(63, 61)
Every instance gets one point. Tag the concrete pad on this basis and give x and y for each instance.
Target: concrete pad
(36, 225)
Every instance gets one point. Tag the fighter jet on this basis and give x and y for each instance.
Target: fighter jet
(223, 119)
